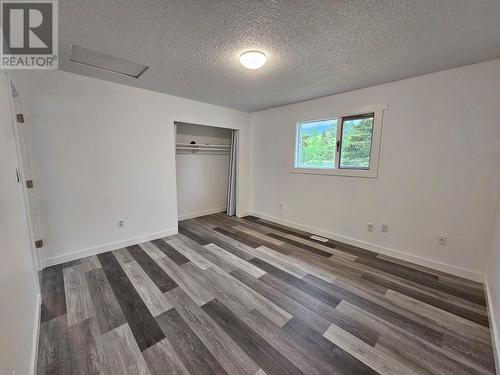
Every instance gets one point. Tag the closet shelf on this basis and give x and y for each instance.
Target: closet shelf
(202, 147)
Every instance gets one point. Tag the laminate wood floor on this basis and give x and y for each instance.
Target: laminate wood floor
(247, 296)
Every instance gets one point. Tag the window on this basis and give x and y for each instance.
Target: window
(316, 144)
(343, 145)
(356, 142)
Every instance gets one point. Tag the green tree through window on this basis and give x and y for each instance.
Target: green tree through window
(317, 144)
(356, 143)
(318, 141)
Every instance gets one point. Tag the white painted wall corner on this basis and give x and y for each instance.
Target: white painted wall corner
(36, 335)
(495, 335)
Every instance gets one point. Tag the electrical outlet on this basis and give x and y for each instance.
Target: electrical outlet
(442, 240)
(384, 228)
(369, 227)
(281, 206)
(121, 224)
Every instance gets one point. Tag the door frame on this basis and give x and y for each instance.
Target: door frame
(25, 171)
(174, 123)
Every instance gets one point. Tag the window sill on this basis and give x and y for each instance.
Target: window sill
(367, 173)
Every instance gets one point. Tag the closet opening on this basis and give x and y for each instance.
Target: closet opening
(206, 169)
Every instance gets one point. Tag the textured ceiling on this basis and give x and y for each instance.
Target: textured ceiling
(315, 48)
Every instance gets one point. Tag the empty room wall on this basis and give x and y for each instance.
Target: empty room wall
(202, 177)
(104, 152)
(492, 280)
(438, 162)
(18, 283)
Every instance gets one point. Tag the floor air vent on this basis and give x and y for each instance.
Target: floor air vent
(317, 238)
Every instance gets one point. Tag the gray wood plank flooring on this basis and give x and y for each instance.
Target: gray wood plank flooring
(248, 296)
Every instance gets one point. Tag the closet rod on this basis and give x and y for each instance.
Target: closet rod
(201, 149)
(202, 145)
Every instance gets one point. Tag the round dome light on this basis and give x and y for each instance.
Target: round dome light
(253, 59)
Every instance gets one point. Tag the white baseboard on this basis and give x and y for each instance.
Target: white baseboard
(495, 335)
(243, 214)
(36, 335)
(457, 271)
(106, 247)
(201, 213)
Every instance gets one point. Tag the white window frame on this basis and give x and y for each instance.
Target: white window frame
(372, 172)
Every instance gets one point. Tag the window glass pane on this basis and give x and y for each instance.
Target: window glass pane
(356, 143)
(316, 144)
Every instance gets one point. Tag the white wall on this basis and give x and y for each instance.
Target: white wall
(201, 177)
(492, 281)
(438, 159)
(104, 152)
(18, 283)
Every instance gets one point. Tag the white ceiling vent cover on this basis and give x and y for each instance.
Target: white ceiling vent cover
(109, 63)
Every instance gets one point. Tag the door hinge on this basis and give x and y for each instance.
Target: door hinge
(29, 184)
(20, 118)
(38, 244)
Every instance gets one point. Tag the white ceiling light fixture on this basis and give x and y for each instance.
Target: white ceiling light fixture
(253, 59)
